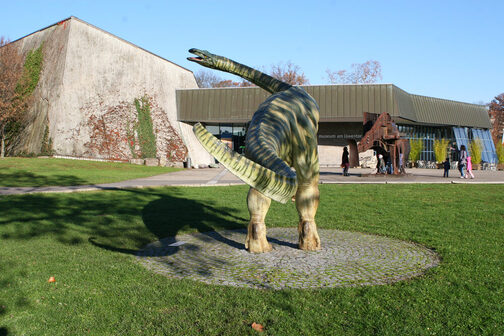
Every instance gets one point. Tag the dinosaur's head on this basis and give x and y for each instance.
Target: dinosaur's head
(204, 58)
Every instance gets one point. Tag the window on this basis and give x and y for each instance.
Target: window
(428, 135)
(461, 136)
(232, 135)
(488, 153)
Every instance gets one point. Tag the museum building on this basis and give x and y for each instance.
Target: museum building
(226, 111)
(85, 103)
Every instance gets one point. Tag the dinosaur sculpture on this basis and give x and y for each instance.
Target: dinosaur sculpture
(282, 134)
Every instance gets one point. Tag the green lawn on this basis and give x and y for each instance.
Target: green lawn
(34, 172)
(87, 242)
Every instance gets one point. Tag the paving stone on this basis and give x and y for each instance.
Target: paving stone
(346, 259)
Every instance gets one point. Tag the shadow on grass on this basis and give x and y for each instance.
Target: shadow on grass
(120, 221)
(125, 221)
(27, 179)
(8, 280)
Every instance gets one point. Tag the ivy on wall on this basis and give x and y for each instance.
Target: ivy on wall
(47, 145)
(130, 138)
(145, 130)
(138, 128)
(32, 69)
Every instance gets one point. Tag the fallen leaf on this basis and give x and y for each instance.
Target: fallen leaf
(51, 279)
(257, 327)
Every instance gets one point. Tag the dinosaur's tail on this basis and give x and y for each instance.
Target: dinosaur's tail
(278, 187)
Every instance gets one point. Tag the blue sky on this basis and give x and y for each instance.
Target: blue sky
(445, 49)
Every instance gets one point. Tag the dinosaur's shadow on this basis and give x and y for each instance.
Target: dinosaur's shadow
(166, 216)
(170, 213)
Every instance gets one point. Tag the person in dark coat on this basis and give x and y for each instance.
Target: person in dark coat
(345, 162)
(446, 166)
(462, 160)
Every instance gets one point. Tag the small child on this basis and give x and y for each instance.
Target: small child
(446, 166)
(469, 168)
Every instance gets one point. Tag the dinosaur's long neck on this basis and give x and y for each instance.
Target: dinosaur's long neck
(260, 79)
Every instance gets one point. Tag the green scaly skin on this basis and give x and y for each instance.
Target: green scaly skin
(282, 134)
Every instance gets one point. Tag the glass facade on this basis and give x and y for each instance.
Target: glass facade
(231, 134)
(488, 153)
(465, 135)
(234, 136)
(458, 136)
(427, 134)
(462, 136)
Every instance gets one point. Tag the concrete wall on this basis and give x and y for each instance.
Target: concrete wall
(331, 156)
(86, 95)
(104, 73)
(333, 137)
(47, 92)
(198, 155)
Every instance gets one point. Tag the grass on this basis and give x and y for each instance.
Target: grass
(34, 172)
(87, 242)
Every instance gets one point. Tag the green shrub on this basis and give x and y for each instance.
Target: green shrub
(441, 149)
(416, 146)
(475, 151)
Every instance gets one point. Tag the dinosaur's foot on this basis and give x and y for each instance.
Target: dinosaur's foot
(256, 241)
(308, 237)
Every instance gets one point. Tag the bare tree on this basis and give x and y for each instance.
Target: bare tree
(289, 73)
(206, 79)
(496, 113)
(12, 101)
(229, 83)
(365, 73)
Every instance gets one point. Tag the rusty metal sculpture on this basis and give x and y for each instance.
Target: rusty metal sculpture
(382, 135)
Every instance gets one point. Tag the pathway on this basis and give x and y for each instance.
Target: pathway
(222, 177)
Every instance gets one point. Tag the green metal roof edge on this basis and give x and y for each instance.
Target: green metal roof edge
(428, 111)
(417, 109)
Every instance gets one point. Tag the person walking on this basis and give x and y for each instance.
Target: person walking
(401, 164)
(345, 162)
(381, 165)
(462, 160)
(469, 168)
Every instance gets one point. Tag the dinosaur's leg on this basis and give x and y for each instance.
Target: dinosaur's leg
(258, 206)
(307, 200)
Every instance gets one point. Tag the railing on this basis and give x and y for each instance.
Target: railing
(488, 166)
(453, 165)
(377, 132)
(426, 164)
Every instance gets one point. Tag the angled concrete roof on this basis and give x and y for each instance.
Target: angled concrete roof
(62, 22)
(338, 103)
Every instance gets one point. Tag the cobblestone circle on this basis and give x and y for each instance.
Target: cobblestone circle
(346, 259)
